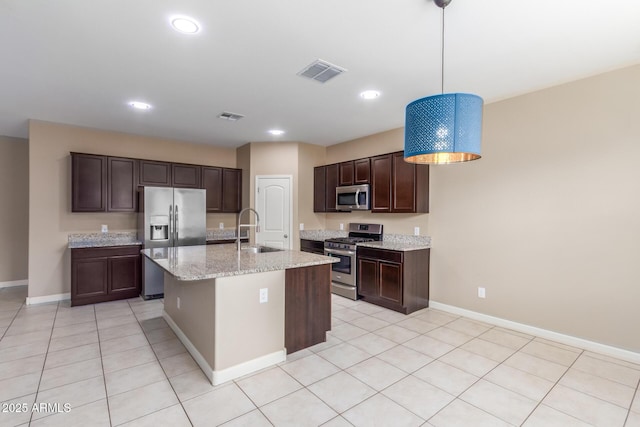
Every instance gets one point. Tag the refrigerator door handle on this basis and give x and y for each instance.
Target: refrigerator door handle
(170, 223)
(175, 227)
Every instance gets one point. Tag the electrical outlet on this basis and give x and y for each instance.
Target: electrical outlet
(481, 293)
(341, 226)
(221, 226)
(264, 295)
(178, 302)
(416, 231)
(104, 228)
(301, 226)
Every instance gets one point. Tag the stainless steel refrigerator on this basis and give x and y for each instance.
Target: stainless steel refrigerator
(168, 217)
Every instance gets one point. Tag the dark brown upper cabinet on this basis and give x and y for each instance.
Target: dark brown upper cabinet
(331, 182)
(185, 176)
(212, 182)
(224, 188)
(88, 183)
(155, 173)
(122, 183)
(320, 189)
(346, 173)
(398, 186)
(362, 171)
(231, 190)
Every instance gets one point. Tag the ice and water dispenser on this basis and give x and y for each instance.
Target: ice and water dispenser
(159, 227)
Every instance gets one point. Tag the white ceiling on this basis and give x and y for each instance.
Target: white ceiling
(80, 61)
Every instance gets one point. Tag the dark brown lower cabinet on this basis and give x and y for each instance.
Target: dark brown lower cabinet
(394, 279)
(307, 306)
(104, 274)
(313, 246)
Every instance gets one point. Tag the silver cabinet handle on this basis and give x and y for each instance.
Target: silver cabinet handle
(357, 197)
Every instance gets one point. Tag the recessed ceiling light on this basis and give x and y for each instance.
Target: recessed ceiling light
(139, 105)
(185, 24)
(276, 132)
(370, 94)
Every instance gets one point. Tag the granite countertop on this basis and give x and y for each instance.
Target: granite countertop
(216, 234)
(99, 240)
(187, 263)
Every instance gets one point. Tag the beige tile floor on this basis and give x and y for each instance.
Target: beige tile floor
(119, 364)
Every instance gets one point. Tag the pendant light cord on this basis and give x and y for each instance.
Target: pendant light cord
(442, 57)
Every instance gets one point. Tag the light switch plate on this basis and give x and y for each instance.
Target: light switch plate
(104, 228)
(341, 226)
(416, 231)
(264, 295)
(221, 226)
(301, 226)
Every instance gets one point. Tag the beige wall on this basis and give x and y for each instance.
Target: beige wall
(50, 217)
(14, 208)
(549, 219)
(380, 143)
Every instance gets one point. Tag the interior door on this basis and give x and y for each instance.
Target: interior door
(273, 203)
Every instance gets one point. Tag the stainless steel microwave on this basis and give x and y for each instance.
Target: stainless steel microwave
(353, 198)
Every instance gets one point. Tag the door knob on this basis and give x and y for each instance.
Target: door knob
(286, 236)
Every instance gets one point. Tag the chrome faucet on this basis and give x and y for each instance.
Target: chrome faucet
(256, 225)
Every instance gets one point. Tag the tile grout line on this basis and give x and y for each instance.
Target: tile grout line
(104, 376)
(161, 367)
(44, 363)
(635, 394)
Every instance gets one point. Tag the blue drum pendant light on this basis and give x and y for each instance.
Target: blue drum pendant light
(444, 128)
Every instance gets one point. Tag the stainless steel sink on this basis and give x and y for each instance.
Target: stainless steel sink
(260, 249)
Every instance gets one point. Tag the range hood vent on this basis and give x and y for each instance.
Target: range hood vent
(321, 71)
(232, 117)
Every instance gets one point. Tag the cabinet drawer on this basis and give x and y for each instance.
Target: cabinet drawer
(381, 254)
(109, 251)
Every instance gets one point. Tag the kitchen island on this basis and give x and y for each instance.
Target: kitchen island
(237, 313)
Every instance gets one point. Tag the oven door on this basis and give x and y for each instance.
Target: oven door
(343, 271)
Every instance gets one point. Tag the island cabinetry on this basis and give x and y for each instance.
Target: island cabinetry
(307, 306)
(155, 173)
(394, 279)
(104, 274)
(185, 176)
(312, 246)
(88, 183)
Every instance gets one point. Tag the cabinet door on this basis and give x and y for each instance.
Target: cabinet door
(367, 277)
(231, 190)
(362, 169)
(88, 183)
(89, 278)
(212, 182)
(124, 275)
(319, 189)
(346, 173)
(381, 183)
(122, 184)
(185, 176)
(155, 173)
(390, 278)
(403, 185)
(330, 189)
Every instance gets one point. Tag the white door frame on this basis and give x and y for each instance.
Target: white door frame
(255, 201)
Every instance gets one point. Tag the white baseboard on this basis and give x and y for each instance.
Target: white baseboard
(48, 298)
(249, 366)
(543, 333)
(13, 283)
(228, 374)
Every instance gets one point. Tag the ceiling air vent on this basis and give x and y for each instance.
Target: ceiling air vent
(232, 117)
(321, 71)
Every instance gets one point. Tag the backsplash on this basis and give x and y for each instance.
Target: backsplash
(322, 234)
(406, 238)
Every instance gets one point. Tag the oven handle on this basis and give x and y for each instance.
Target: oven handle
(339, 252)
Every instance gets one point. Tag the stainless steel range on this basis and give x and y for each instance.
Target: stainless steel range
(343, 274)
